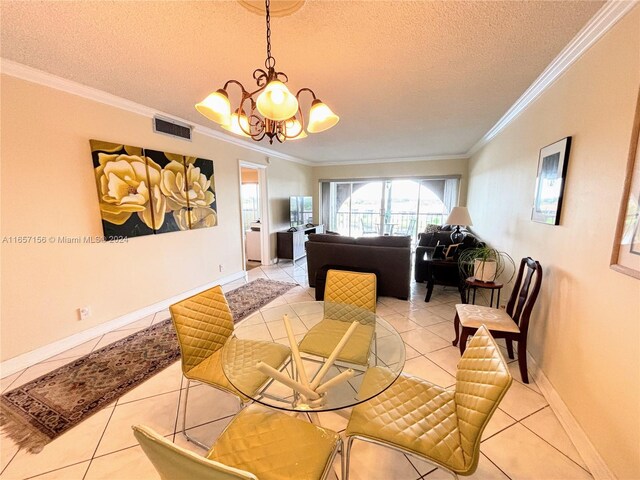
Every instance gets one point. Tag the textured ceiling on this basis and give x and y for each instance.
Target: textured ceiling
(408, 78)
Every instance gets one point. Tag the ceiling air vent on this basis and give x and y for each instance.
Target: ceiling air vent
(171, 127)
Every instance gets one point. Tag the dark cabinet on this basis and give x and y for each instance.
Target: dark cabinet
(291, 244)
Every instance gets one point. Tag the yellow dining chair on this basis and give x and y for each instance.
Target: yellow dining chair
(257, 444)
(441, 426)
(348, 296)
(204, 325)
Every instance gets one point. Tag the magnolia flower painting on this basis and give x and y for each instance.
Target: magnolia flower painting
(142, 191)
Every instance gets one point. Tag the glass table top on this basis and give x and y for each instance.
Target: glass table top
(372, 350)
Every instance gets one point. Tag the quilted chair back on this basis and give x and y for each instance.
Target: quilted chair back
(481, 382)
(203, 323)
(350, 295)
(173, 462)
(525, 292)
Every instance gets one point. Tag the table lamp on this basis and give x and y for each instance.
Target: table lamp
(459, 216)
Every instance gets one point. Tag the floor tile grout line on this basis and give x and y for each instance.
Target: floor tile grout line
(55, 469)
(495, 464)
(533, 413)
(99, 340)
(556, 448)
(167, 435)
(129, 402)
(436, 364)
(98, 443)
(14, 380)
(501, 430)
(411, 463)
(429, 472)
(209, 421)
(9, 462)
(522, 383)
(114, 451)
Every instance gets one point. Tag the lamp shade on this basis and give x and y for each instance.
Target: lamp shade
(321, 117)
(216, 107)
(459, 216)
(276, 102)
(294, 129)
(238, 123)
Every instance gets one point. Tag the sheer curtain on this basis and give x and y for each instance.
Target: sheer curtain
(450, 199)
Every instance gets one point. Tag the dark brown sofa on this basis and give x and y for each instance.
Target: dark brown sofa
(388, 257)
(441, 271)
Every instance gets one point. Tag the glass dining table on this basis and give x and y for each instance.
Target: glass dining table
(341, 356)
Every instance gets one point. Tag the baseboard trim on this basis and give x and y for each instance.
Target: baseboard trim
(25, 360)
(587, 451)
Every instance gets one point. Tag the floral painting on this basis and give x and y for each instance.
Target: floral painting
(202, 195)
(144, 191)
(125, 189)
(173, 190)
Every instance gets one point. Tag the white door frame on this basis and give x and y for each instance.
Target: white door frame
(264, 211)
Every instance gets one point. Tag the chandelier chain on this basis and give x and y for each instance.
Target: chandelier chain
(270, 61)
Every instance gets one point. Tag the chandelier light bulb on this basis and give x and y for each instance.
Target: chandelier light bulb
(216, 107)
(321, 117)
(277, 96)
(276, 102)
(294, 129)
(239, 124)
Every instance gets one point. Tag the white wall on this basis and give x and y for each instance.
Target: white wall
(285, 179)
(48, 189)
(585, 330)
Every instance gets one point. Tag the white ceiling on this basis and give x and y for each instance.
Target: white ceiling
(408, 78)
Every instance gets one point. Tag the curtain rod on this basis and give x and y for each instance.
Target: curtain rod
(383, 179)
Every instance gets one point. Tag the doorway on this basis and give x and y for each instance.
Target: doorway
(253, 213)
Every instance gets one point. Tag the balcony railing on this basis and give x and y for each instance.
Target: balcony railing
(358, 224)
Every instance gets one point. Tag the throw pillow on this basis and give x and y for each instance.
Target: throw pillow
(432, 228)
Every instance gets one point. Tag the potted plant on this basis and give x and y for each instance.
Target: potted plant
(485, 263)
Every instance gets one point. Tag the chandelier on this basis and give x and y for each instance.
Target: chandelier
(275, 113)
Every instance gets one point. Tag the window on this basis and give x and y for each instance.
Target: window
(387, 207)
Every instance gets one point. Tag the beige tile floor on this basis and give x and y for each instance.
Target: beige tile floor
(523, 440)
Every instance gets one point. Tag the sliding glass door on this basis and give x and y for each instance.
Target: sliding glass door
(387, 207)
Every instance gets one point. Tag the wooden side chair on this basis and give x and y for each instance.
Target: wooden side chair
(257, 444)
(204, 325)
(442, 426)
(511, 324)
(348, 296)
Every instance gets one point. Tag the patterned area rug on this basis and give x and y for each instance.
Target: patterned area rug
(36, 413)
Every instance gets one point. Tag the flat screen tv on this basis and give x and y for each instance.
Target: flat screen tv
(300, 210)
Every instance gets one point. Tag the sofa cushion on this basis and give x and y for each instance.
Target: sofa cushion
(325, 238)
(384, 241)
(432, 239)
(432, 228)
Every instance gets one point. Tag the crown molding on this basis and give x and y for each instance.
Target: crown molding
(33, 75)
(424, 158)
(599, 24)
(610, 13)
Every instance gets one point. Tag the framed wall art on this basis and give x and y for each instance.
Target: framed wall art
(143, 191)
(124, 196)
(552, 169)
(625, 257)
